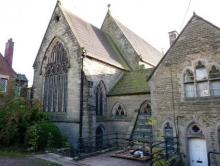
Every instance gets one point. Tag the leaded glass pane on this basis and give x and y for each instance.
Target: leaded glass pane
(3, 85)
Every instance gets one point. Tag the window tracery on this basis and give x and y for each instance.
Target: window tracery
(56, 80)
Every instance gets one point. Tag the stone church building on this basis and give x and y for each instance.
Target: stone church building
(185, 91)
(92, 81)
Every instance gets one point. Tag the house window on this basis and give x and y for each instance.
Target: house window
(203, 84)
(100, 98)
(3, 85)
(118, 110)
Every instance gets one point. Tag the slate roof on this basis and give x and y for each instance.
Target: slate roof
(22, 77)
(94, 41)
(145, 50)
(133, 82)
(5, 68)
(195, 16)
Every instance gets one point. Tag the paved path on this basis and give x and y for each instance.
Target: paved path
(99, 160)
(24, 161)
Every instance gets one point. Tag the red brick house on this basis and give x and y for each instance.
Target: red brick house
(8, 77)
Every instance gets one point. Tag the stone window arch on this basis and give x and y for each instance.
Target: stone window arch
(101, 99)
(56, 79)
(119, 110)
(194, 130)
(202, 82)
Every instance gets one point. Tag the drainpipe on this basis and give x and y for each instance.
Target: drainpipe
(83, 55)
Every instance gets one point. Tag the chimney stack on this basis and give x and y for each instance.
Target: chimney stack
(172, 35)
(9, 49)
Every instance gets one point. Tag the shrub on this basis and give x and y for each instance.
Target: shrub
(15, 117)
(44, 136)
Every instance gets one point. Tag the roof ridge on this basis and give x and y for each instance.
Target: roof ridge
(190, 20)
(117, 21)
(70, 12)
(140, 51)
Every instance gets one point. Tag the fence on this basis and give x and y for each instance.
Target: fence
(164, 150)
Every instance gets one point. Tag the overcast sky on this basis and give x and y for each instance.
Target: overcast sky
(26, 21)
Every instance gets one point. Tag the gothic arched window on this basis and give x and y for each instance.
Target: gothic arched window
(168, 130)
(100, 98)
(118, 110)
(56, 80)
(168, 135)
(214, 77)
(189, 84)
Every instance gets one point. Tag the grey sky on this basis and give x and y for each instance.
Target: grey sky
(26, 21)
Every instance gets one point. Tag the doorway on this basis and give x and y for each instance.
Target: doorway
(198, 152)
(99, 137)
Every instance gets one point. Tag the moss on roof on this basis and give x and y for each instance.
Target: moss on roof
(133, 82)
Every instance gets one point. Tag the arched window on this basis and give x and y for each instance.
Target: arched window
(214, 76)
(56, 80)
(204, 83)
(143, 126)
(100, 98)
(189, 84)
(168, 130)
(118, 110)
(169, 137)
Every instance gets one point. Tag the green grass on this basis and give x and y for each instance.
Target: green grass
(12, 154)
(24, 159)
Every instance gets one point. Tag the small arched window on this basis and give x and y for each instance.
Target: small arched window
(214, 76)
(189, 84)
(118, 110)
(168, 130)
(100, 98)
(202, 85)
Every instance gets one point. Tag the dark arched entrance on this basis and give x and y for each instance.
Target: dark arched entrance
(99, 137)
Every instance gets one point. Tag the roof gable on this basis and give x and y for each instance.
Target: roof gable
(96, 43)
(147, 52)
(194, 29)
(89, 37)
(5, 68)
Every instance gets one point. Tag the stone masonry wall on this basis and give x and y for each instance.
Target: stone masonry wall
(60, 30)
(199, 41)
(131, 104)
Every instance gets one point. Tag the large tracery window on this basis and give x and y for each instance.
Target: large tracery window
(204, 83)
(100, 99)
(56, 80)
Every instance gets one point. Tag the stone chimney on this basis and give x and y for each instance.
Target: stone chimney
(9, 49)
(172, 35)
